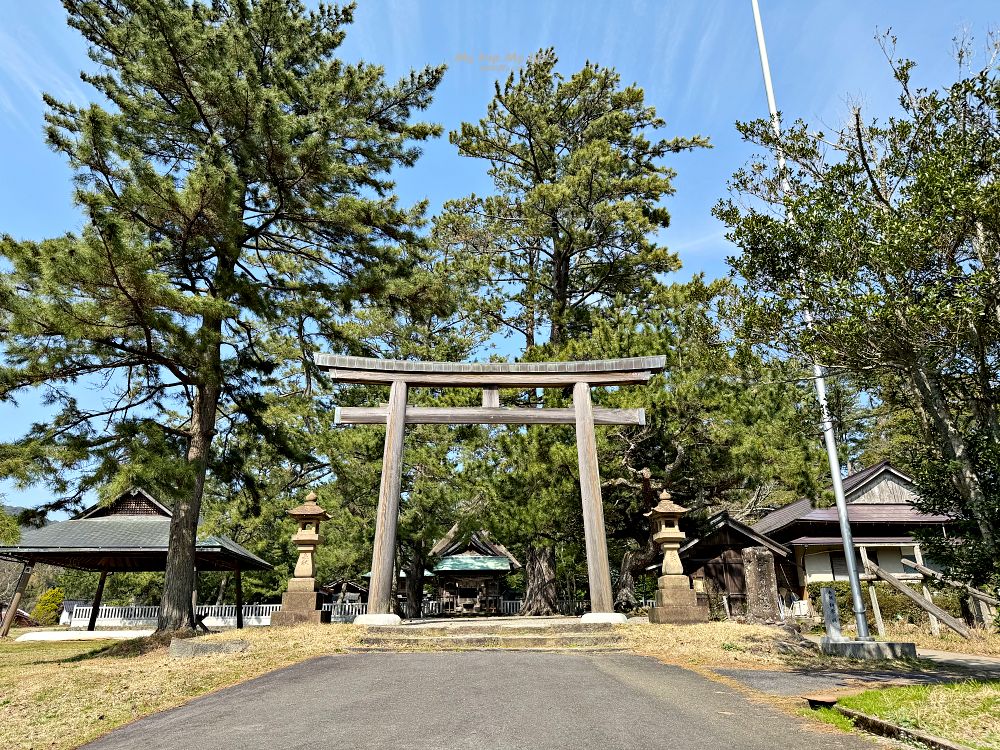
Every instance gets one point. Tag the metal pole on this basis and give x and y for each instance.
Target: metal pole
(829, 436)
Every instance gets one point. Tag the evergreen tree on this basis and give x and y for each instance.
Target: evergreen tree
(571, 227)
(234, 188)
(894, 250)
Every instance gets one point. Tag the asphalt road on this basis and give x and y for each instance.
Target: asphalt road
(480, 699)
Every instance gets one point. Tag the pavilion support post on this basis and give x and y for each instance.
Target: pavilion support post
(239, 599)
(97, 601)
(384, 551)
(15, 600)
(598, 570)
(873, 594)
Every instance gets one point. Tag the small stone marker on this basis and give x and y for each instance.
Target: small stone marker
(831, 614)
(185, 648)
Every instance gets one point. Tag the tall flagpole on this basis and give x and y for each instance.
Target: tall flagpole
(829, 436)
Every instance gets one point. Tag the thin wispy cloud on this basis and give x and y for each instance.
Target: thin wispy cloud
(29, 68)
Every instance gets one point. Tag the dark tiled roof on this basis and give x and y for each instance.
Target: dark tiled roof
(876, 513)
(723, 520)
(858, 478)
(110, 535)
(859, 541)
(783, 516)
(802, 510)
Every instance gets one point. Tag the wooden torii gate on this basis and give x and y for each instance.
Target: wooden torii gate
(400, 375)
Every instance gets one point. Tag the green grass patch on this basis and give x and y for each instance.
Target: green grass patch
(829, 716)
(963, 712)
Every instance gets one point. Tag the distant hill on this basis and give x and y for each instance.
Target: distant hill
(14, 511)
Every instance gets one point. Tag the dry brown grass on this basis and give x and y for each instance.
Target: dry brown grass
(60, 695)
(983, 642)
(708, 644)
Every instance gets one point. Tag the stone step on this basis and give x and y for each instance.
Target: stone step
(588, 628)
(491, 640)
(544, 649)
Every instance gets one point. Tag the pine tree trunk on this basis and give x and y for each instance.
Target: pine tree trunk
(176, 612)
(634, 562)
(541, 591)
(415, 583)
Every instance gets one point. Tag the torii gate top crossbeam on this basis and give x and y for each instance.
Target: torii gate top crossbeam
(628, 371)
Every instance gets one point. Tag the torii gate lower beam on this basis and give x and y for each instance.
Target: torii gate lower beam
(400, 375)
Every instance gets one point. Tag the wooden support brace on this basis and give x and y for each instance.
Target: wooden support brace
(873, 595)
(92, 623)
(935, 628)
(973, 592)
(15, 600)
(957, 625)
(486, 415)
(239, 599)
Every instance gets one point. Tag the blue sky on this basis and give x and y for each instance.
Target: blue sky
(696, 59)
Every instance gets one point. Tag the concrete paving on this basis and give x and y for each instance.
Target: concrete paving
(826, 681)
(476, 699)
(982, 667)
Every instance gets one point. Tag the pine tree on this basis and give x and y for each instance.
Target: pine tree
(570, 227)
(237, 176)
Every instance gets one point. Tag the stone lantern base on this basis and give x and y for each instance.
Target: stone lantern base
(300, 604)
(676, 602)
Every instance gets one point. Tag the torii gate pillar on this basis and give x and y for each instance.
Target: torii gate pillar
(490, 376)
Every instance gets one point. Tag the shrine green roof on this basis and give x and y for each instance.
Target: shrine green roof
(459, 563)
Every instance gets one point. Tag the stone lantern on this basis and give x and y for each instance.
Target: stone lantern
(302, 601)
(676, 602)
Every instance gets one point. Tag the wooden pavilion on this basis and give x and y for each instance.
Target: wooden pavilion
(470, 572)
(130, 534)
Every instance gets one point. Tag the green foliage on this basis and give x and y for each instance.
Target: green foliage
(46, 610)
(236, 197)
(892, 246)
(121, 589)
(10, 532)
(895, 607)
(573, 219)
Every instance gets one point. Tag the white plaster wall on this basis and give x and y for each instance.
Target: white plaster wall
(817, 561)
(817, 564)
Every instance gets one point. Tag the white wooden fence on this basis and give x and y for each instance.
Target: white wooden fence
(224, 615)
(345, 611)
(570, 607)
(216, 616)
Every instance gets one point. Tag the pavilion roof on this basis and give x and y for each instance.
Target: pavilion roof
(131, 539)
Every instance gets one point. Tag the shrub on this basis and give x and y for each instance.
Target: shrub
(895, 607)
(46, 611)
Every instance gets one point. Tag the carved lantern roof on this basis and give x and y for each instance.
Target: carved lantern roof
(666, 508)
(310, 510)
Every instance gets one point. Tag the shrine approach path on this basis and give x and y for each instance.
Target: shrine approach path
(476, 699)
